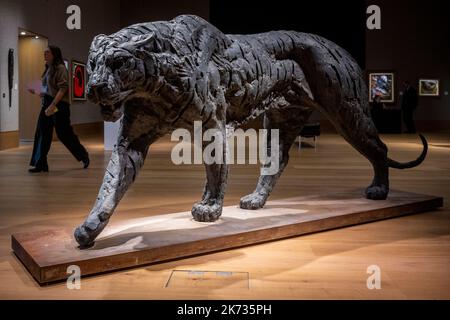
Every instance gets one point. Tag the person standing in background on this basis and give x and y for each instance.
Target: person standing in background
(55, 112)
(377, 111)
(410, 101)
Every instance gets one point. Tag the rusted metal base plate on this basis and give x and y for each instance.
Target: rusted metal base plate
(138, 242)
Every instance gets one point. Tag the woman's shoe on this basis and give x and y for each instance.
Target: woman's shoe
(86, 163)
(38, 169)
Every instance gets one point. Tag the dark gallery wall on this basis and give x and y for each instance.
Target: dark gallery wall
(340, 21)
(343, 22)
(136, 11)
(414, 42)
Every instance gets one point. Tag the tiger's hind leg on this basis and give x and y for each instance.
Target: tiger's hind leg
(289, 121)
(352, 120)
(358, 129)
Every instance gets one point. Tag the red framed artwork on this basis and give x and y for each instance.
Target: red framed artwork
(78, 81)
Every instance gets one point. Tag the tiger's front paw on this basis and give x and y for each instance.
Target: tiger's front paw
(84, 237)
(205, 212)
(253, 201)
(86, 233)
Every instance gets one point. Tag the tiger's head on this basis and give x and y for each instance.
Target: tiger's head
(117, 71)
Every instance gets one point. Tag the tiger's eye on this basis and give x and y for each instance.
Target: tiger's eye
(118, 63)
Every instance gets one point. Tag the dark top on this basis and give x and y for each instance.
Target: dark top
(55, 79)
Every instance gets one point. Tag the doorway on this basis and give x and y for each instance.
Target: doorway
(31, 66)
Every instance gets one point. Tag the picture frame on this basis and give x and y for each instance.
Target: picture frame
(382, 84)
(79, 80)
(429, 87)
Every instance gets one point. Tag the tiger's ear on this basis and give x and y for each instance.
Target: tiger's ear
(98, 40)
(139, 42)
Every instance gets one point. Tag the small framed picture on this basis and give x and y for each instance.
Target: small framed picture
(429, 87)
(78, 73)
(382, 84)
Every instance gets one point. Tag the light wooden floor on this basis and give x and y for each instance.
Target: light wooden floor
(413, 252)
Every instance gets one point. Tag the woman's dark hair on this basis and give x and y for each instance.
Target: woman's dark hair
(57, 58)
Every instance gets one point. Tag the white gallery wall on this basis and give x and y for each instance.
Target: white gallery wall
(48, 18)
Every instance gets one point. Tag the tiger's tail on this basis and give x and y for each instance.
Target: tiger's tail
(407, 165)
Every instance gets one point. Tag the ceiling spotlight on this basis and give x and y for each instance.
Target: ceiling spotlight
(23, 33)
(36, 37)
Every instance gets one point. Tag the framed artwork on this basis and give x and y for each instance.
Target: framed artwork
(382, 84)
(78, 73)
(429, 87)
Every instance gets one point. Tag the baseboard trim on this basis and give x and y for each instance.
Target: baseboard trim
(434, 126)
(9, 140)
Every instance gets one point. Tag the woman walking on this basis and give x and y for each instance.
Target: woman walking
(55, 112)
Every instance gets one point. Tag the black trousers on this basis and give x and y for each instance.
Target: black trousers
(408, 119)
(44, 134)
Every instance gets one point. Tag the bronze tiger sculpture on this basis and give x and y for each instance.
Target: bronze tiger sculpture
(165, 75)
